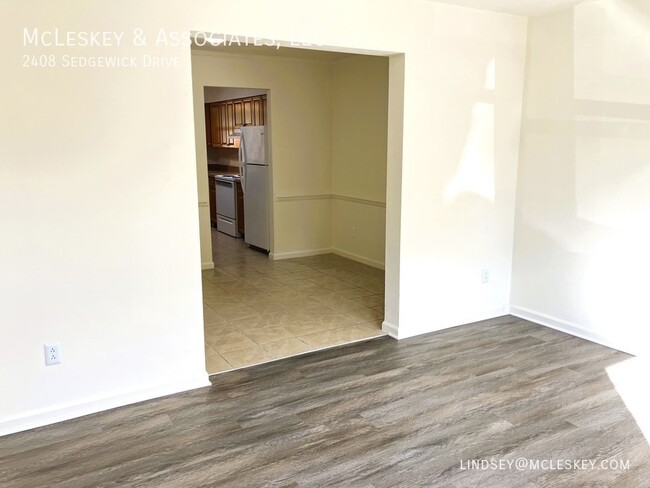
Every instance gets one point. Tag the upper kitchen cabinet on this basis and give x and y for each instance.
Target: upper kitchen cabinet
(222, 118)
(238, 110)
(258, 110)
(227, 122)
(214, 114)
(208, 124)
(247, 107)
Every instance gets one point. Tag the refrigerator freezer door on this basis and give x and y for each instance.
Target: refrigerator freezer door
(256, 207)
(252, 147)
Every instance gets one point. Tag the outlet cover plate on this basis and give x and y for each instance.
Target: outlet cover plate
(485, 275)
(52, 354)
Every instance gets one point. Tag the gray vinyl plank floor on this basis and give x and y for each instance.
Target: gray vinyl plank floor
(380, 413)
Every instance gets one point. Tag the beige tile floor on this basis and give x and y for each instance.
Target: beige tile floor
(258, 310)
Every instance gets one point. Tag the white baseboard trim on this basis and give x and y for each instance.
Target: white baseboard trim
(326, 250)
(358, 258)
(405, 333)
(568, 328)
(299, 254)
(389, 328)
(207, 265)
(87, 406)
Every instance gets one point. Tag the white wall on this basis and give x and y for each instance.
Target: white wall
(583, 228)
(359, 129)
(462, 112)
(101, 238)
(99, 246)
(394, 150)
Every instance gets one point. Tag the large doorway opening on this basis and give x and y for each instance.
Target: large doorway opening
(323, 283)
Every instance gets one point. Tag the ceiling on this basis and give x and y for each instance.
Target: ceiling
(529, 8)
(286, 52)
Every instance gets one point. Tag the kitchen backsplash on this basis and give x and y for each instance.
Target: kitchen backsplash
(223, 156)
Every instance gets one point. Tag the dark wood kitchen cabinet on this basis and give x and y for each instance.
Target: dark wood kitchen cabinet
(213, 201)
(240, 209)
(216, 138)
(228, 115)
(208, 124)
(238, 113)
(258, 110)
(225, 117)
(247, 108)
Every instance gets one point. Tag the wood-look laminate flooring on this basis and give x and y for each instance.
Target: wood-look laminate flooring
(381, 413)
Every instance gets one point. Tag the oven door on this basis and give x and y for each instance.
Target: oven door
(226, 203)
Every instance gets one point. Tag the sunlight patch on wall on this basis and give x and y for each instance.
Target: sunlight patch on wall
(475, 173)
(615, 290)
(491, 75)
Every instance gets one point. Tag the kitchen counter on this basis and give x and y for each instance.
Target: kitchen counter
(220, 169)
(225, 177)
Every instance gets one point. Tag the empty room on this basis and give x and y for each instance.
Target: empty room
(345, 243)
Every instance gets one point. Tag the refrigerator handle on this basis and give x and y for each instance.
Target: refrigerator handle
(243, 179)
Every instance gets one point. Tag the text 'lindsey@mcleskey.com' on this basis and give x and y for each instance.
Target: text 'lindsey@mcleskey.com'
(527, 464)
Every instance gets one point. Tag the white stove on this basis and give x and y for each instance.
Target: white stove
(226, 192)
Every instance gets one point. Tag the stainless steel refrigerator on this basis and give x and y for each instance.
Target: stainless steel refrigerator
(255, 184)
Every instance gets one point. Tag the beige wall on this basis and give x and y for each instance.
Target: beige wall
(98, 194)
(359, 121)
(341, 106)
(218, 93)
(582, 230)
(299, 104)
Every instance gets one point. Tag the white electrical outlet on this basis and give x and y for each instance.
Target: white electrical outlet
(354, 231)
(52, 354)
(485, 275)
